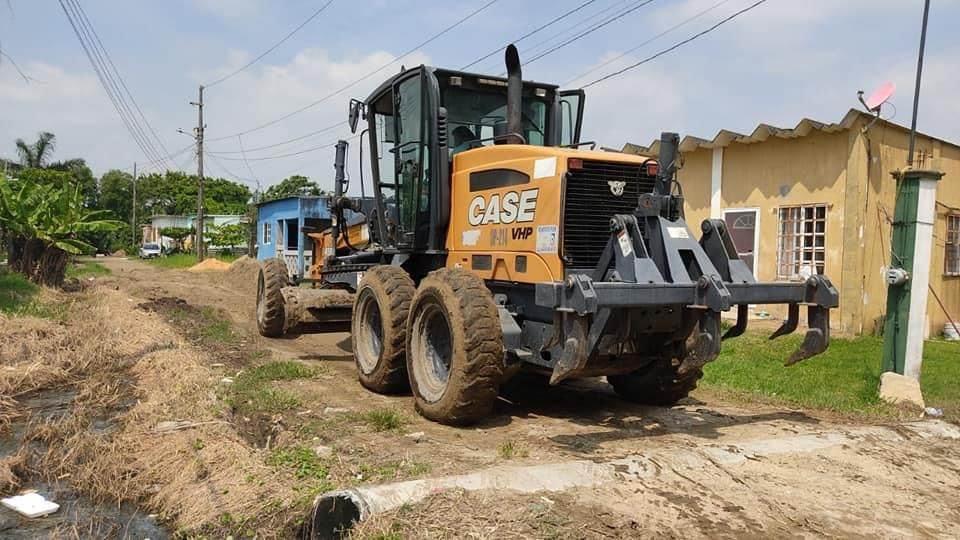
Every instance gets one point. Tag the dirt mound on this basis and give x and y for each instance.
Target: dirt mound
(209, 265)
(119, 253)
(242, 274)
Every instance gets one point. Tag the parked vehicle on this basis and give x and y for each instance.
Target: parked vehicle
(149, 251)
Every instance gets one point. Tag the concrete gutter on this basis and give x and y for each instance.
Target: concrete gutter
(336, 511)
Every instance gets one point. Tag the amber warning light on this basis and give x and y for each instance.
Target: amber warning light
(652, 168)
(574, 164)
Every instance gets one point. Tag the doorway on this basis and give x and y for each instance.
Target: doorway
(742, 223)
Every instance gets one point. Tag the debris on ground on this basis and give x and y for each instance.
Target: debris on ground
(119, 253)
(210, 265)
(901, 390)
(30, 504)
(933, 412)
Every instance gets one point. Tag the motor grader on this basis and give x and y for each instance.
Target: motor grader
(498, 243)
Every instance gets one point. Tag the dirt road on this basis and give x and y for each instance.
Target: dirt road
(793, 473)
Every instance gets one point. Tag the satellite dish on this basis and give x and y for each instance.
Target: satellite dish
(878, 97)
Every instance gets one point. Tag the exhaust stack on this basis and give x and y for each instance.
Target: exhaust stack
(514, 96)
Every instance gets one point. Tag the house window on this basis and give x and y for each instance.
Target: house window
(267, 235)
(951, 258)
(801, 242)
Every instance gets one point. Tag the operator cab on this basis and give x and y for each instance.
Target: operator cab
(422, 117)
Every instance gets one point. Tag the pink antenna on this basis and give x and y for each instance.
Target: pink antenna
(880, 96)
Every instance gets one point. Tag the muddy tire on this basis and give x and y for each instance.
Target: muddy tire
(379, 328)
(271, 312)
(454, 348)
(657, 384)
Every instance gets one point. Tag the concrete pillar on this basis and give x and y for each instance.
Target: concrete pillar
(716, 184)
(912, 244)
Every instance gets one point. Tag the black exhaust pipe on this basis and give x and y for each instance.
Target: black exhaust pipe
(514, 97)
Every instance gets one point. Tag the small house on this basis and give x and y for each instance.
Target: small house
(280, 226)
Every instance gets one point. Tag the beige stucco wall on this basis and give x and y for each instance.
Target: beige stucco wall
(815, 169)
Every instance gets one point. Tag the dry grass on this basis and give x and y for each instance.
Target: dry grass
(131, 372)
(458, 514)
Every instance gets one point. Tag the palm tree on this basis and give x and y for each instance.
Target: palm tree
(36, 155)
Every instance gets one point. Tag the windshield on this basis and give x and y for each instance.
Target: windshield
(151, 246)
(472, 115)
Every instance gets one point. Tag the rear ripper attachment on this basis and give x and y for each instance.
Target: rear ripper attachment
(654, 279)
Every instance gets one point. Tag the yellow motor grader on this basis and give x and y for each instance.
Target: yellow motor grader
(498, 243)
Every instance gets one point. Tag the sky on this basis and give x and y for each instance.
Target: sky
(778, 63)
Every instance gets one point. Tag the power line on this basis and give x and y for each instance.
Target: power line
(281, 143)
(275, 45)
(532, 32)
(89, 43)
(589, 31)
(586, 21)
(677, 45)
(247, 163)
(279, 156)
(365, 77)
(648, 41)
(119, 77)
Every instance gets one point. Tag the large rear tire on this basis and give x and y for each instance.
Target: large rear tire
(454, 348)
(657, 384)
(379, 328)
(271, 313)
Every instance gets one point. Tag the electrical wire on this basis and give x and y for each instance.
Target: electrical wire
(676, 45)
(271, 49)
(589, 31)
(532, 32)
(247, 163)
(647, 41)
(99, 59)
(363, 78)
(280, 156)
(281, 143)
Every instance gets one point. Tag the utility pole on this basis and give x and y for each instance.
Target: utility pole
(133, 220)
(908, 277)
(198, 135)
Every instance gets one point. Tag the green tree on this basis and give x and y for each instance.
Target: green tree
(228, 236)
(294, 185)
(80, 175)
(116, 194)
(175, 193)
(36, 154)
(42, 227)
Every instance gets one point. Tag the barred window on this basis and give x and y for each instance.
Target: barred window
(801, 241)
(951, 258)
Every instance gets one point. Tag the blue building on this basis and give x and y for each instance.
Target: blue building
(280, 226)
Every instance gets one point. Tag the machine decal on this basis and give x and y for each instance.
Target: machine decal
(499, 237)
(547, 239)
(625, 245)
(544, 168)
(616, 187)
(678, 232)
(522, 233)
(509, 207)
(471, 237)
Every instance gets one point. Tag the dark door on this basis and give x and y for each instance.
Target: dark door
(742, 225)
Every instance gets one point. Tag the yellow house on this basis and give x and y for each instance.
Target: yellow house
(819, 198)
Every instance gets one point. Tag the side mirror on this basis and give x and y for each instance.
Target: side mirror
(354, 115)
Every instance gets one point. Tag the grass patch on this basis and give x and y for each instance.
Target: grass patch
(18, 296)
(301, 461)
(383, 419)
(185, 260)
(844, 379)
(215, 327)
(84, 269)
(510, 450)
(252, 391)
(392, 470)
(16, 292)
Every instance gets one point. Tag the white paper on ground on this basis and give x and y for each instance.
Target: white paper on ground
(31, 505)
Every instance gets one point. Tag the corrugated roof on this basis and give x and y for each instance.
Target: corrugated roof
(763, 132)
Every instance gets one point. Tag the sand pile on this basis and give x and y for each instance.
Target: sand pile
(243, 273)
(210, 265)
(119, 253)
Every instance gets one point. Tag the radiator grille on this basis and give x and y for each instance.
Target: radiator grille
(589, 204)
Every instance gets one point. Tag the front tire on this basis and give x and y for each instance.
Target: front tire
(271, 311)
(657, 384)
(454, 348)
(379, 328)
